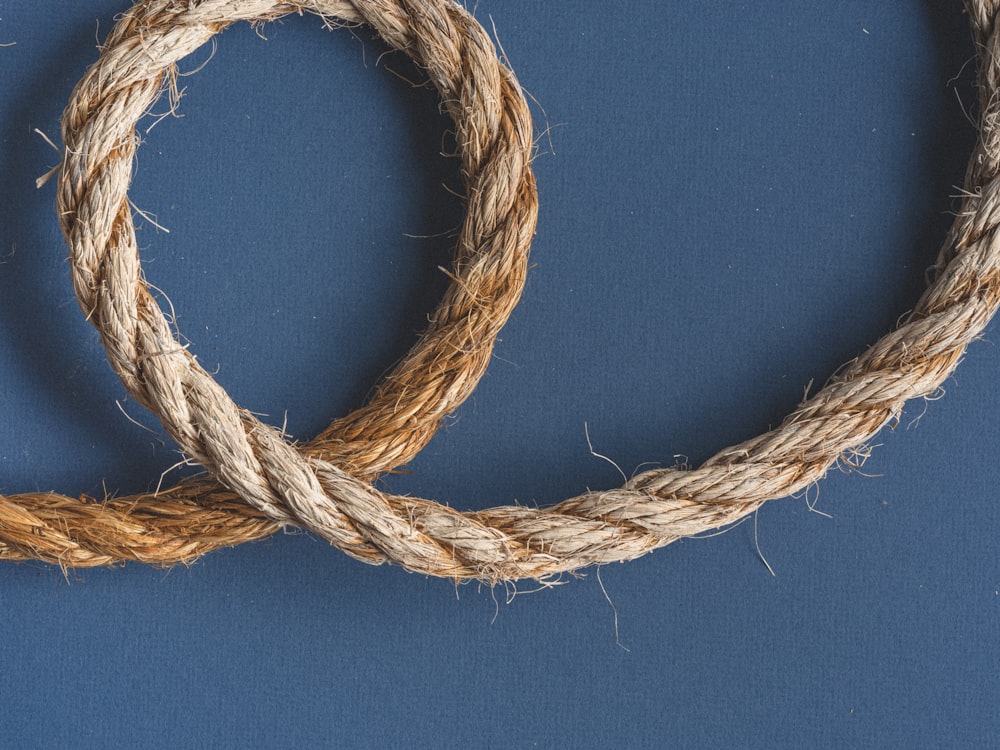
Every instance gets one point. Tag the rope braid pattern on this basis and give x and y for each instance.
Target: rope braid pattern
(649, 511)
(488, 274)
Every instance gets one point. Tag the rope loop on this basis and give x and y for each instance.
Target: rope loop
(650, 510)
(136, 65)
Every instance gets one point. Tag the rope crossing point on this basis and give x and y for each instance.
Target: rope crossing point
(438, 374)
(649, 511)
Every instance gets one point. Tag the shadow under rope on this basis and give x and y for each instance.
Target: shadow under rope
(946, 141)
(946, 138)
(42, 325)
(435, 201)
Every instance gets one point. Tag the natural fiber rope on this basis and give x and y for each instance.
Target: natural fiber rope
(649, 511)
(438, 374)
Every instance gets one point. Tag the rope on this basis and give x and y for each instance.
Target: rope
(650, 510)
(439, 373)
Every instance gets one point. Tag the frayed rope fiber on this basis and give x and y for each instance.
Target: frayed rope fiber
(489, 268)
(653, 508)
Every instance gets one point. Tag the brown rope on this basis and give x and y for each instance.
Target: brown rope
(437, 375)
(649, 511)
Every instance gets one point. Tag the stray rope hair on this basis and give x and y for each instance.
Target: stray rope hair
(323, 486)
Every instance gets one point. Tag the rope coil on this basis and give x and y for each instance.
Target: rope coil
(650, 510)
(438, 374)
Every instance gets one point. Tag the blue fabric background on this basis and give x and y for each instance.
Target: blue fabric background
(736, 198)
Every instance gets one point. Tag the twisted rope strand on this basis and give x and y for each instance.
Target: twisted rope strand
(655, 507)
(437, 375)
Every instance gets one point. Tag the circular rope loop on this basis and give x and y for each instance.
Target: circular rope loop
(655, 507)
(249, 457)
(437, 375)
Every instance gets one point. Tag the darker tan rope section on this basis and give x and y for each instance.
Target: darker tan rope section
(439, 373)
(651, 510)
